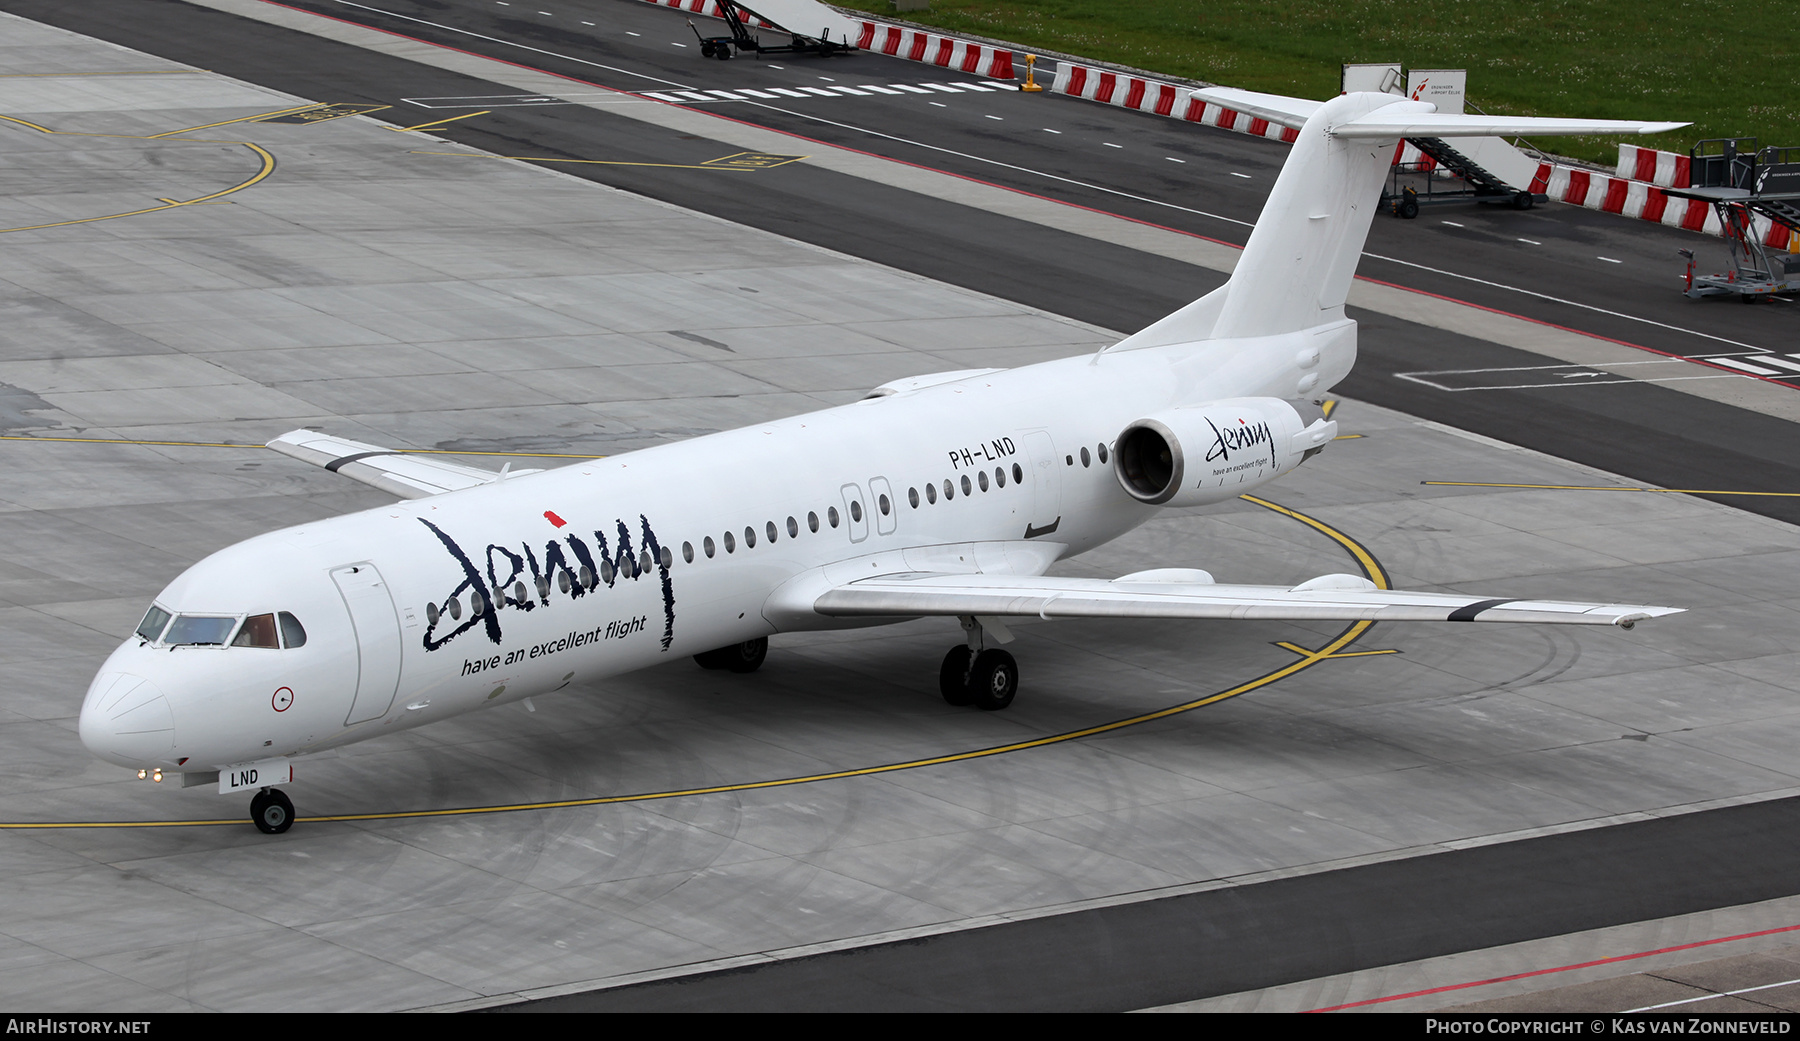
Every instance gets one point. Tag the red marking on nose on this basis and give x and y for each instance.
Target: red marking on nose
(550, 515)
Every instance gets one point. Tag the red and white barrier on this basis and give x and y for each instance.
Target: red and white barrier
(946, 52)
(1158, 98)
(1668, 169)
(1632, 197)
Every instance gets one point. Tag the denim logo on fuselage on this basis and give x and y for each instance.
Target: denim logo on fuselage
(521, 581)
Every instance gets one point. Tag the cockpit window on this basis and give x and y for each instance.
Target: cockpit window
(193, 629)
(152, 625)
(258, 631)
(292, 634)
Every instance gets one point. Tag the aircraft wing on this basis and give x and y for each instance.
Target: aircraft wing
(1327, 598)
(408, 476)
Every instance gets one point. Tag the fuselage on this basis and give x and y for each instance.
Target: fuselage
(432, 607)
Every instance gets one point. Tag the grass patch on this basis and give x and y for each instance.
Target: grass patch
(1728, 67)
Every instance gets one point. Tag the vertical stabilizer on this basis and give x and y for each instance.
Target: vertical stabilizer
(1297, 266)
(1296, 269)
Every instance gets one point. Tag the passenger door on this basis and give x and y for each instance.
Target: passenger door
(377, 628)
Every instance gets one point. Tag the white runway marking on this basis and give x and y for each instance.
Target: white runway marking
(1744, 365)
(1530, 377)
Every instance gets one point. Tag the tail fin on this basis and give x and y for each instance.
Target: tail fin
(1296, 269)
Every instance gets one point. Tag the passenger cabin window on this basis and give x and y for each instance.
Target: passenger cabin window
(812, 521)
(1018, 474)
(687, 552)
(793, 528)
(982, 479)
(155, 620)
(258, 630)
(832, 515)
(707, 545)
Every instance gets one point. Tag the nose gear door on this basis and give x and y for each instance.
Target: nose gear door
(377, 627)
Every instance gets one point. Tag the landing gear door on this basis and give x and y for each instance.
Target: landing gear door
(856, 516)
(377, 628)
(1045, 474)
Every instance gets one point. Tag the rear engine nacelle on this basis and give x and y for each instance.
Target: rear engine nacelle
(1212, 452)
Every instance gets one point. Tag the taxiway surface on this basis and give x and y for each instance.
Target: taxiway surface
(462, 303)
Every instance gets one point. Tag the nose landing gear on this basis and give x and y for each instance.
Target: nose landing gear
(739, 657)
(271, 811)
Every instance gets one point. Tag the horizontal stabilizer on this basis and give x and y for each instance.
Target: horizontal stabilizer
(408, 476)
(1328, 598)
(1393, 122)
(1276, 108)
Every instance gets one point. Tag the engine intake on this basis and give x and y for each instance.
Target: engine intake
(1212, 452)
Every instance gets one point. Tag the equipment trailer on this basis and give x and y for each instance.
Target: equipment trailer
(742, 39)
(1741, 183)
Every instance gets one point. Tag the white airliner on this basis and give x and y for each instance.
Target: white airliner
(947, 494)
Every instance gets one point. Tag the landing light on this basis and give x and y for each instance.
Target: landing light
(156, 776)
(143, 774)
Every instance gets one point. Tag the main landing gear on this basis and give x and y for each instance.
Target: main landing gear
(987, 678)
(739, 657)
(271, 811)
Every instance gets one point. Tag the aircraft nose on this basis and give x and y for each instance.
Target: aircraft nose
(126, 720)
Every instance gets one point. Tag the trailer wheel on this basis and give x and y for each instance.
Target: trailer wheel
(706, 49)
(1409, 207)
(724, 53)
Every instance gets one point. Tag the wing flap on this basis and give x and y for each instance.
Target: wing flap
(1049, 598)
(399, 473)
